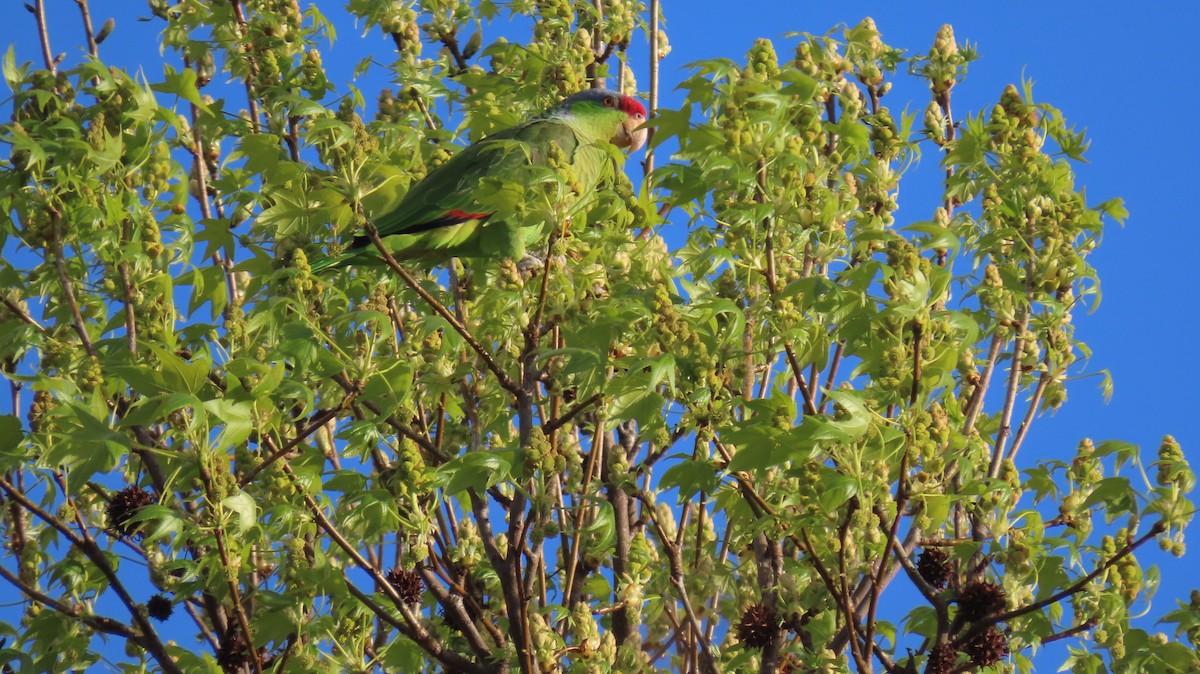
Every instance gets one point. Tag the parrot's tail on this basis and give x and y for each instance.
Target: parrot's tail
(330, 262)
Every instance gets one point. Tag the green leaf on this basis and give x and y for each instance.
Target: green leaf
(164, 521)
(1123, 451)
(836, 489)
(183, 85)
(403, 655)
(13, 74)
(261, 151)
(475, 470)
(938, 237)
(762, 454)
(238, 420)
(208, 282)
(921, 620)
(602, 531)
(86, 444)
(799, 84)
(178, 374)
(690, 476)
(242, 505)
(1051, 577)
(937, 506)
(11, 435)
(669, 123)
(1115, 209)
(346, 481)
(1116, 494)
(853, 419)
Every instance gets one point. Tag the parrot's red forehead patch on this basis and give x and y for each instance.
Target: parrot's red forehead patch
(632, 106)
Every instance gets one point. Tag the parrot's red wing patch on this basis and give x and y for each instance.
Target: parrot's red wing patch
(464, 215)
(449, 219)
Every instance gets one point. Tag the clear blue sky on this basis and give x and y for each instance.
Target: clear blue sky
(1122, 70)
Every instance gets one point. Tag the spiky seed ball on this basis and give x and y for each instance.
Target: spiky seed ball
(123, 506)
(408, 584)
(934, 567)
(977, 600)
(758, 626)
(941, 659)
(987, 648)
(159, 607)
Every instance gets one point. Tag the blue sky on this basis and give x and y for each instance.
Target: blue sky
(1122, 70)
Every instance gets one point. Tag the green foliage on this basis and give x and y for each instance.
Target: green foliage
(716, 457)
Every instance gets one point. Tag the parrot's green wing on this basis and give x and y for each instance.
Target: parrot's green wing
(496, 197)
(459, 208)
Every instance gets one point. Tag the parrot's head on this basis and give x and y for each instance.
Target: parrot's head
(623, 115)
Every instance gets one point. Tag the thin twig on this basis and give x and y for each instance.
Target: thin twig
(93, 46)
(943, 101)
(831, 376)
(918, 334)
(975, 405)
(843, 596)
(707, 662)
(654, 49)
(416, 96)
(501, 376)
(312, 427)
(877, 583)
(1010, 397)
(130, 314)
(1071, 589)
(39, 14)
(98, 623)
(1081, 627)
(411, 626)
(1035, 402)
(251, 100)
(60, 265)
(810, 407)
(562, 420)
(21, 313)
(450, 41)
(87, 545)
(593, 69)
(235, 597)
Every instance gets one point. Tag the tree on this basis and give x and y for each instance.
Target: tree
(707, 459)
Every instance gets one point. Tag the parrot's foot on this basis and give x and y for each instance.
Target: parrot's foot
(530, 265)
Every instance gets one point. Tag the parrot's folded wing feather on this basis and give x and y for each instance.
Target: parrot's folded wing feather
(448, 195)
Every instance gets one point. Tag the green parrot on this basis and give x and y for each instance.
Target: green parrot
(465, 207)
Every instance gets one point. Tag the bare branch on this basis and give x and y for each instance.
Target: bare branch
(93, 46)
(39, 13)
(501, 376)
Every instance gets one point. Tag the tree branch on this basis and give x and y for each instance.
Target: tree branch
(39, 14)
(1071, 589)
(501, 376)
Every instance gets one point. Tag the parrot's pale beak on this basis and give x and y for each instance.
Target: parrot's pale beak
(631, 134)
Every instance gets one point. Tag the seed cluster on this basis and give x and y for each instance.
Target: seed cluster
(758, 626)
(123, 506)
(408, 583)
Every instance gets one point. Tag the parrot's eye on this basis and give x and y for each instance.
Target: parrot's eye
(610, 102)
